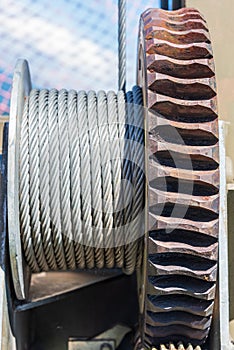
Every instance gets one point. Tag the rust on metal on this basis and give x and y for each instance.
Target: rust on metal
(183, 173)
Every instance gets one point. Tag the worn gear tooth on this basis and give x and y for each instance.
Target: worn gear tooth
(167, 303)
(183, 158)
(183, 110)
(163, 347)
(158, 246)
(189, 24)
(182, 37)
(190, 347)
(182, 52)
(175, 12)
(199, 123)
(177, 263)
(170, 224)
(181, 346)
(183, 10)
(182, 285)
(173, 17)
(199, 201)
(166, 331)
(184, 136)
(173, 67)
(183, 212)
(156, 170)
(182, 89)
(178, 318)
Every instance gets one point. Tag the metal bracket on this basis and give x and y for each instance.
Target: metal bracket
(109, 340)
(92, 345)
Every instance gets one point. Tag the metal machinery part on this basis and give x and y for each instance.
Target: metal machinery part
(172, 5)
(68, 155)
(176, 73)
(177, 150)
(180, 346)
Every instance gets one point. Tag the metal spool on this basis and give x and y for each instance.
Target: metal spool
(76, 179)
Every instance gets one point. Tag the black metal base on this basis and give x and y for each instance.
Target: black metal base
(81, 314)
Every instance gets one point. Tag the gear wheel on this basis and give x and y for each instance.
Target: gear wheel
(176, 73)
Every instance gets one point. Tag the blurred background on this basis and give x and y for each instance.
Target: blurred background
(73, 44)
(68, 43)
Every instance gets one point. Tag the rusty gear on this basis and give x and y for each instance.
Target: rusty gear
(176, 72)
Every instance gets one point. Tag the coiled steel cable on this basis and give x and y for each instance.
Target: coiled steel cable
(96, 190)
(65, 184)
(138, 173)
(75, 211)
(107, 184)
(34, 180)
(25, 226)
(44, 185)
(86, 210)
(129, 245)
(75, 178)
(116, 171)
(54, 175)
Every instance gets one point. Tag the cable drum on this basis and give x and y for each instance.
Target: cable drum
(81, 180)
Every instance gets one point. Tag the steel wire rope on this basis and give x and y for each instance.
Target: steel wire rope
(74, 209)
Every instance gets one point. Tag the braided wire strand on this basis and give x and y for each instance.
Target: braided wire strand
(122, 43)
(24, 200)
(65, 184)
(44, 187)
(75, 179)
(127, 166)
(54, 175)
(121, 121)
(138, 173)
(96, 189)
(85, 179)
(116, 172)
(130, 249)
(34, 180)
(107, 185)
(134, 248)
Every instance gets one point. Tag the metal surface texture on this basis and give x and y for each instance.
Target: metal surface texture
(176, 72)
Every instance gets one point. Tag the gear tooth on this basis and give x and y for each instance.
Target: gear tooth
(179, 347)
(163, 347)
(190, 347)
(183, 178)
